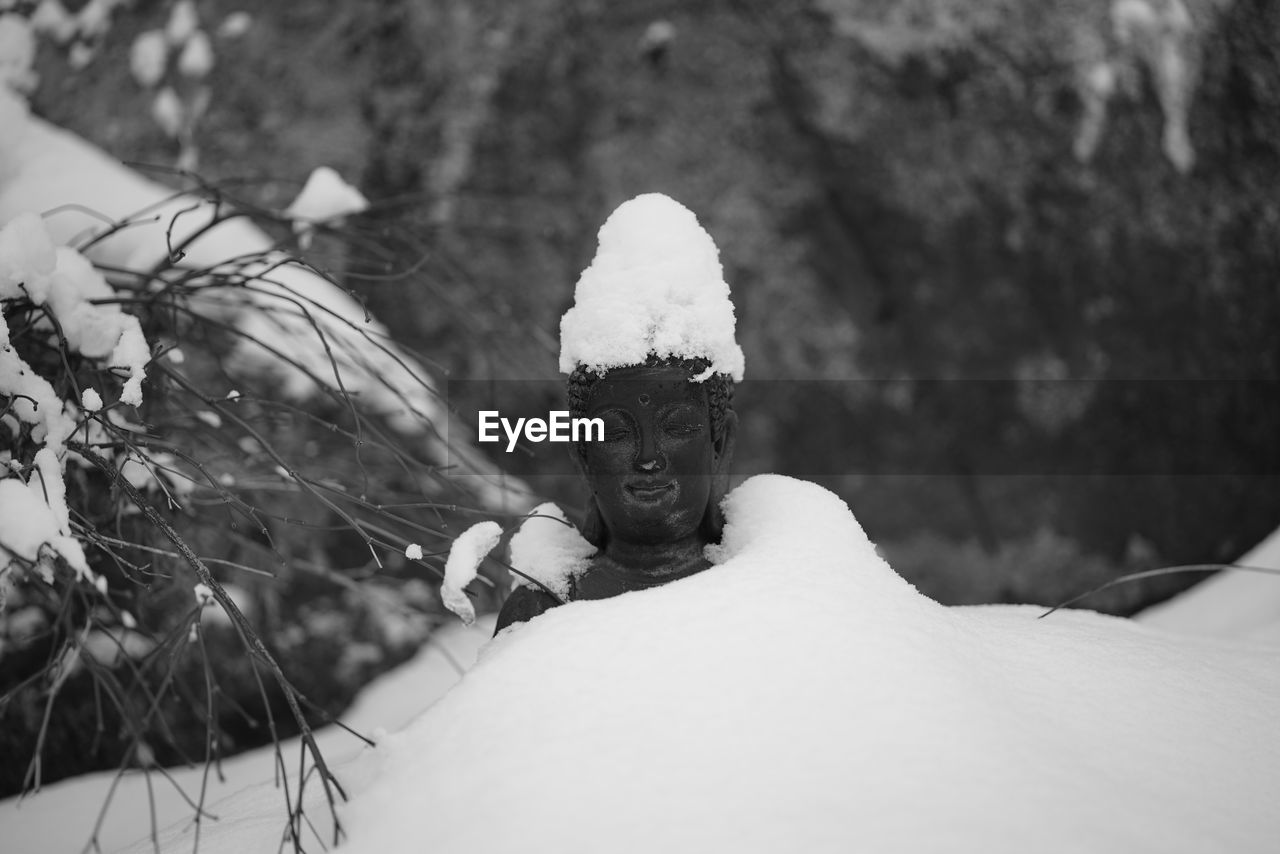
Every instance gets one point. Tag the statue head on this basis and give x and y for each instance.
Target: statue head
(649, 348)
(662, 470)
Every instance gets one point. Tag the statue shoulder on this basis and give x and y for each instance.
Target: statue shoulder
(523, 604)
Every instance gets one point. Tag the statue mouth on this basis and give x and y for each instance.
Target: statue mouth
(651, 491)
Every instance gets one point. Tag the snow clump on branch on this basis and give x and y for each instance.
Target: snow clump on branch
(465, 556)
(34, 514)
(324, 198)
(59, 279)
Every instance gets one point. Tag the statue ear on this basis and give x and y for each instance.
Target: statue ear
(712, 525)
(713, 518)
(594, 530)
(724, 445)
(577, 454)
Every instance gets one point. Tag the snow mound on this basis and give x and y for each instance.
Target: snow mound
(655, 286)
(549, 549)
(801, 696)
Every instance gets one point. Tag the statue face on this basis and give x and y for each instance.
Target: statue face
(651, 476)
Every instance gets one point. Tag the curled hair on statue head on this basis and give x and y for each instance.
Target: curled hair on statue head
(719, 389)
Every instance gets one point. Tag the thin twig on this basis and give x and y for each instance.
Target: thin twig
(1154, 573)
(252, 641)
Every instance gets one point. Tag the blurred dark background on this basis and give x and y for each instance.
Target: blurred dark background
(1063, 199)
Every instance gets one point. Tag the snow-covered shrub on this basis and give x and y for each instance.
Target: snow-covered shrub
(207, 446)
(169, 423)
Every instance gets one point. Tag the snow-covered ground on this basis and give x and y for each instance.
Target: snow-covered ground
(802, 696)
(799, 696)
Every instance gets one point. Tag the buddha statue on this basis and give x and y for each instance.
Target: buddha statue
(649, 350)
(655, 481)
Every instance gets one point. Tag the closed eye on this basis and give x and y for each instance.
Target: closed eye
(617, 427)
(682, 421)
(681, 428)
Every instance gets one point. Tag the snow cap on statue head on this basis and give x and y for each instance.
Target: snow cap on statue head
(654, 288)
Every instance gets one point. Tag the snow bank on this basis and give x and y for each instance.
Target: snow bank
(800, 696)
(655, 286)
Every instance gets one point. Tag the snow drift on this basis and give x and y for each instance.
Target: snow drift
(800, 696)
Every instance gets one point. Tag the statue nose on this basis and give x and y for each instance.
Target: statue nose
(649, 457)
